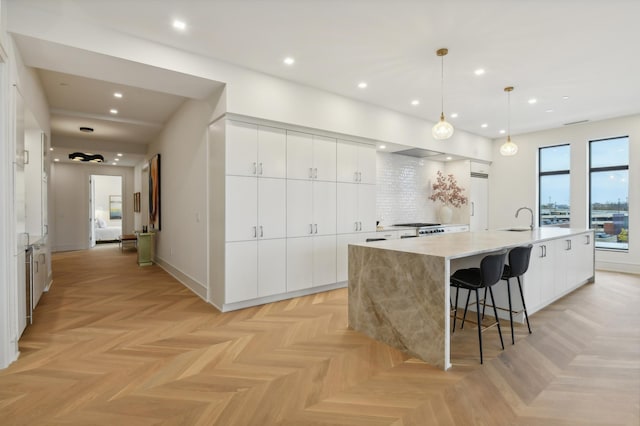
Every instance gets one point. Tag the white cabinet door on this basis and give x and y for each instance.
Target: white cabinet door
(299, 263)
(347, 208)
(272, 211)
(272, 154)
(367, 208)
(324, 158)
(299, 155)
(299, 208)
(241, 148)
(241, 200)
(324, 208)
(536, 278)
(478, 204)
(272, 272)
(367, 164)
(347, 162)
(585, 256)
(241, 270)
(324, 260)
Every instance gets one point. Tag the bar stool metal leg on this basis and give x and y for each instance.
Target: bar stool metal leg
(495, 312)
(513, 339)
(524, 306)
(479, 323)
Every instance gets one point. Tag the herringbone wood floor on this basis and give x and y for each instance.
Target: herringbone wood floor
(115, 344)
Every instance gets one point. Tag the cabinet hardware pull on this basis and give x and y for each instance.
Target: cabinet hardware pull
(473, 209)
(315, 173)
(46, 229)
(255, 169)
(261, 231)
(359, 226)
(359, 176)
(588, 239)
(310, 173)
(568, 244)
(355, 176)
(261, 170)
(311, 228)
(315, 226)
(356, 224)
(255, 232)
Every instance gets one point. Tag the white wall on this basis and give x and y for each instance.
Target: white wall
(513, 181)
(181, 244)
(70, 197)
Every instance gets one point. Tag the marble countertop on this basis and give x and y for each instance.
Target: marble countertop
(461, 244)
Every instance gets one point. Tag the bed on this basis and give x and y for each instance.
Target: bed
(106, 233)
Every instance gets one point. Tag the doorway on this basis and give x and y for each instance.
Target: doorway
(105, 209)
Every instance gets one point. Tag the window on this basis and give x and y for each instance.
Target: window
(554, 185)
(609, 192)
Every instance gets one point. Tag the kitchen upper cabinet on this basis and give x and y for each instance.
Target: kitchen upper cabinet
(254, 269)
(311, 262)
(256, 208)
(253, 150)
(356, 208)
(356, 163)
(311, 208)
(310, 157)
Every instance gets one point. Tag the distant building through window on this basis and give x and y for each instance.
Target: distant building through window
(609, 192)
(555, 187)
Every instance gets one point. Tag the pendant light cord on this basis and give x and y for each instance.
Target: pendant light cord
(442, 85)
(509, 114)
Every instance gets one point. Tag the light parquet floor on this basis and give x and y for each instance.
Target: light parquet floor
(115, 344)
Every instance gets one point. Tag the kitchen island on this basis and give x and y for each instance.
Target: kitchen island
(399, 289)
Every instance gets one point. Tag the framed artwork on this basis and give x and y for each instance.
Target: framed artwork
(115, 207)
(136, 202)
(154, 193)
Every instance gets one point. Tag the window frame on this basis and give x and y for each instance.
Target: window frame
(591, 170)
(541, 174)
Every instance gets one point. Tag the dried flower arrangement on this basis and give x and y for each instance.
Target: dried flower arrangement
(447, 191)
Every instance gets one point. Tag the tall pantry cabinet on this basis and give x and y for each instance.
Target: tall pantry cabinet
(285, 201)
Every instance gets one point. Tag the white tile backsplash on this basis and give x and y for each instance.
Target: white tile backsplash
(403, 187)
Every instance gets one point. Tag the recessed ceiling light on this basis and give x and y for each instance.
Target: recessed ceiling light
(479, 71)
(119, 154)
(56, 159)
(532, 101)
(289, 60)
(116, 159)
(454, 115)
(565, 97)
(415, 102)
(117, 95)
(484, 125)
(448, 158)
(51, 149)
(548, 110)
(113, 111)
(502, 131)
(86, 129)
(382, 146)
(179, 25)
(114, 164)
(362, 85)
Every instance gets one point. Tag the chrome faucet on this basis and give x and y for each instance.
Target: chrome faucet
(530, 211)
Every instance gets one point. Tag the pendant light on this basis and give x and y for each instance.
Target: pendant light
(442, 130)
(508, 148)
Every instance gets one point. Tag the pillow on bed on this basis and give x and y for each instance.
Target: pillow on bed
(101, 223)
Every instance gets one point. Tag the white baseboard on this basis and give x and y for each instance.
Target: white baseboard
(629, 268)
(193, 285)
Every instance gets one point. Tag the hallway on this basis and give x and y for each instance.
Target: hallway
(113, 343)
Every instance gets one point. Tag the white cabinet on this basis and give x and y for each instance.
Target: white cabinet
(311, 261)
(576, 254)
(254, 269)
(478, 204)
(310, 157)
(539, 281)
(356, 208)
(256, 208)
(356, 163)
(253, 150)
(311, 208)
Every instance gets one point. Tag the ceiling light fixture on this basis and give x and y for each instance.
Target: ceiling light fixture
(532, 101)
(382, 146)
(362, 85)
(415, 102)
(179, 25)
(113, 111)
(442, 130)
(51, 149)
(56, 159)
(484, 125)
(81, 156)
(119, 154)
(479, 71)
(508, 148)
(289, 60)
(117, 95)
(454, 115)
(86, 129)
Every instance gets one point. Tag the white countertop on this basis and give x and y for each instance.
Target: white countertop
(461, 244)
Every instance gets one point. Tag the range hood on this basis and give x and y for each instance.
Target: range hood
(418, 152)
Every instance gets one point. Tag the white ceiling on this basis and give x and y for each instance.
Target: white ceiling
(584, 50)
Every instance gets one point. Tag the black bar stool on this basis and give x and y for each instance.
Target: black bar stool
(518, 264)
(473, 279)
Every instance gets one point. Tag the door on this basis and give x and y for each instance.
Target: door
(241, 199)
(272, 272)
(367, 164)
(92, 209)
(19, 202)
(367, 208)
(272, 152)
(241, 269)
(324, 260)
(478, 203)
(347, 162)
(324, 208)
(347, 207)
(299, 155)
(324, 158)
(299, 263)
(272, 208)
(299, 208)
(241, 148)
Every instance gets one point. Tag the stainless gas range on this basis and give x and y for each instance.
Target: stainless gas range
(427, 229)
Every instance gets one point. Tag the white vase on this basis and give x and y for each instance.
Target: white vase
(445, 214)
